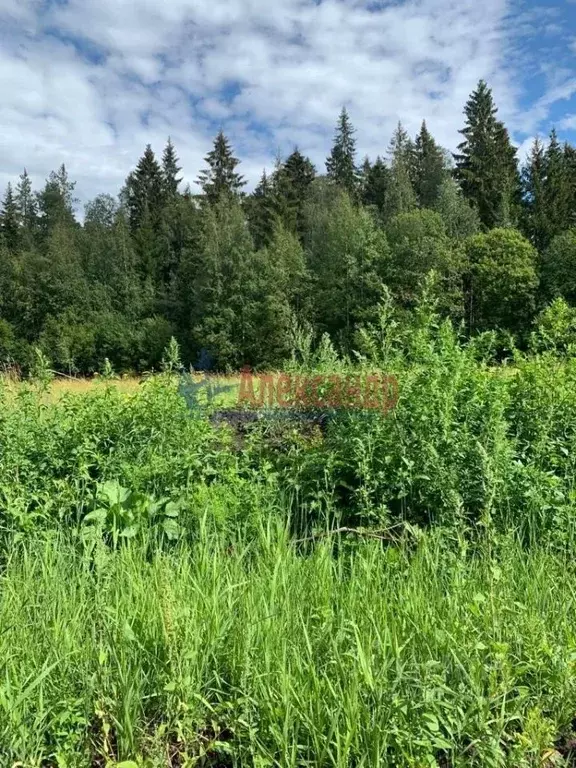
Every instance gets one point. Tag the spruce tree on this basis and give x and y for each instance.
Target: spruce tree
(558, 190)
(260, 212)
(56, 202)
(570, 161)
(534, 215)
(170, 171)
(400, 195)
(221, 177)
(221, 303)
(300, 172)
(27, 204)
(486, 164)
(144, 192)
(375, 180)
(9, 221)
(341, 164)
(428, 168)
(291, 182)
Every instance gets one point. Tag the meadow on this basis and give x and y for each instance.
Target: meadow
(382, 589)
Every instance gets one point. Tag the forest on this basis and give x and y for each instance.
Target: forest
(195, 573)
(235, 276)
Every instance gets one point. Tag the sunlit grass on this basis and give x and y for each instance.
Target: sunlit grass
(264, 656)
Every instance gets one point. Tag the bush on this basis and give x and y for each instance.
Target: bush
(500, 280)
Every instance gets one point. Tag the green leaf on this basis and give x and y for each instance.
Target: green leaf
(432, 723)
(172, 509)
(97, 516)
(171, 529)
(112, 492)
(129, 532)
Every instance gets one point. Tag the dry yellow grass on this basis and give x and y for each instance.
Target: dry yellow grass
(64, 386)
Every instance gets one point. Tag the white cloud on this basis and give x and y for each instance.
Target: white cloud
(568, 123)
(91, 83)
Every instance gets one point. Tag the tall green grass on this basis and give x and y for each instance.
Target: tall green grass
(175, 594)
(257, 654)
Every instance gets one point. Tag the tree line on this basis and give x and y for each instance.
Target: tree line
(234, 276)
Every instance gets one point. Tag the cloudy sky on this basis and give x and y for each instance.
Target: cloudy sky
(89, 83)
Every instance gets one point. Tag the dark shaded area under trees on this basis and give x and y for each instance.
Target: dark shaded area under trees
(233, 275)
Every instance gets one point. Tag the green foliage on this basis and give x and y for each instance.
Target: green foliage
(9, 221)
(428, 168)
(341, 164)
(558, 267)
(291, 183)
(555, 330)
(347, 255)
(486, 164)
(144, 192)
(400, 196)
(41, 371)
(501, 280)
(460, 218)
(170, 171)
(230, 274)
(172, 588)
(374, 183)
(190, 583)
(418, 244)
(221, 178)
(171, 360)
(549, 192)
(120, 515)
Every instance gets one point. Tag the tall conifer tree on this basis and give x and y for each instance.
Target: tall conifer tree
(428, 168)
(144, 192)
(341, 164)
(170, 170)
(9, 221)
(221, 176)
(486, 161)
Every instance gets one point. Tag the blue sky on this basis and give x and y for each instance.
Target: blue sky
(90, 83)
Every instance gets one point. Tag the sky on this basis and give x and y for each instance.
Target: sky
(89, 84)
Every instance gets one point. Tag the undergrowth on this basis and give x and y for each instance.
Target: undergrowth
(379, 589)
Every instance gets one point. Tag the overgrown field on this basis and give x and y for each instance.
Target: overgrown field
(382, 590)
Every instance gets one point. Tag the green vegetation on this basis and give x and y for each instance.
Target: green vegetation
(389, 589)
(230, 273)
(185, 583)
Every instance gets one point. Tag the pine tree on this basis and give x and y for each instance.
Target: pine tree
(170, 171)
(486, 161)
(341, 164)
(221, 177)
(143, 192)
(428, 168)
(9, 220)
